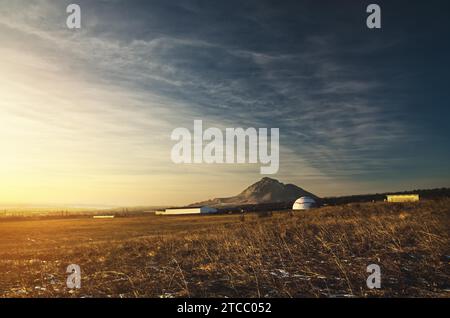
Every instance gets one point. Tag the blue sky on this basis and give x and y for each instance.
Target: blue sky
(87, 114)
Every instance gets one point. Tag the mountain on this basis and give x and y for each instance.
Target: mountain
(266, 190)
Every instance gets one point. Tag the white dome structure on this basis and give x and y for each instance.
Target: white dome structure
(304, 203)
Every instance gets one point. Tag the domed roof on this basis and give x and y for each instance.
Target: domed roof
(304, 203)
(305, 200)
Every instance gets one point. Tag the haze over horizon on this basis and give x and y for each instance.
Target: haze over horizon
(86, 115)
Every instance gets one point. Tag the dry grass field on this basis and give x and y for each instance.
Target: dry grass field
(319, 253)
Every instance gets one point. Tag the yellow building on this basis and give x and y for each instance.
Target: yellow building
(403, 198)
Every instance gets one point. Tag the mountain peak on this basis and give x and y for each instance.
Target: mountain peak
(266, 190)
(267, 179)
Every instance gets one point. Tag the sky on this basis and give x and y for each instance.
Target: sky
(86, 115)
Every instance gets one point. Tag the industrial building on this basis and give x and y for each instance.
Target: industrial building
(403, 198)
(188, 210)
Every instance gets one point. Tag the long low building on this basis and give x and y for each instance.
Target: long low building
(403, 198)
(188, 210)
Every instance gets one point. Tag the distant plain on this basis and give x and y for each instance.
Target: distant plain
(319, 253)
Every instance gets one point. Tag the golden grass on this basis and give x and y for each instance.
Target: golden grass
(319, 253)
